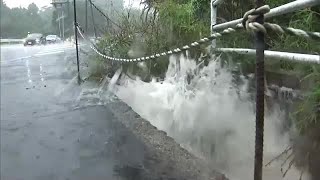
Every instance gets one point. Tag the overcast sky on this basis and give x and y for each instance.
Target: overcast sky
(25, 3)
(41, 3)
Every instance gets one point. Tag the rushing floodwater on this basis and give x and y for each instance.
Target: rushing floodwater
(209, 117)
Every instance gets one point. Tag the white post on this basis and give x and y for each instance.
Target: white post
(213, 20)
(214, 6)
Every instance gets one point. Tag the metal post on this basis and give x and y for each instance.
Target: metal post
(94, 26)
(76, 38)
(86, 15)
(213, 20)
(260, 46)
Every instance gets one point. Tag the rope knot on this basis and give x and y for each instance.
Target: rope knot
(249, 19)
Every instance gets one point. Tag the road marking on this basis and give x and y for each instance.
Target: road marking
(63, 47)
(48, 53)
(10, 47)
(28, 71)
(44, 52)
(16, 59)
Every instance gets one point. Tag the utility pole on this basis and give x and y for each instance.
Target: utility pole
(60, 19)
(112, 14)
(59, 4)
(59, 22)
(94, 25)
(63, 24)
(86, 10)
(76, 38)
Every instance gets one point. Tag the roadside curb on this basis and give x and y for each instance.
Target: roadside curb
(178, 161)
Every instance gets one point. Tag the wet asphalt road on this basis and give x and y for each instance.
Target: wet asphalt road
(43, 137)
(47, 133)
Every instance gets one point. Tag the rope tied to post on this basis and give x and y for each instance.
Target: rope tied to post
(250, 24)
(249, 19)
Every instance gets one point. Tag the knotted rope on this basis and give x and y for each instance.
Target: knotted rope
(249, 19)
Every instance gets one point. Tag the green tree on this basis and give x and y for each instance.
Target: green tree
(33, 9)
(25, 20)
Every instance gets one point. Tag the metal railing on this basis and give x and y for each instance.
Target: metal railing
(296, 57)
(284, 9)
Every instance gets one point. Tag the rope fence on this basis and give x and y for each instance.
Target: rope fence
(157, 55)
(247, 22)
(266, 27)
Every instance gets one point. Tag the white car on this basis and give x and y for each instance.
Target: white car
(53, 39)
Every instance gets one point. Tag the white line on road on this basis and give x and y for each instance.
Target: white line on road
(39, 54)
(48, 53)
(16, 59)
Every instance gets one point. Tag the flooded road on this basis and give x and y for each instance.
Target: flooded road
(47, 135)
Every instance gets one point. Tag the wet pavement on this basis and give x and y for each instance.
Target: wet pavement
(45, 137)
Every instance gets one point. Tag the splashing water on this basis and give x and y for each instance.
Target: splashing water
(209, 116)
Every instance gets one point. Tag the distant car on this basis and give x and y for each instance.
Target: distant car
(34, 39)
(53, 39)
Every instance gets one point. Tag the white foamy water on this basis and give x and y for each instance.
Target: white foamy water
(209, 117)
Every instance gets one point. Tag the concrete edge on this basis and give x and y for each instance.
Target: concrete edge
(163, 144)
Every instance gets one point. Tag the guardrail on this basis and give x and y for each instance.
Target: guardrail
(11, 41)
